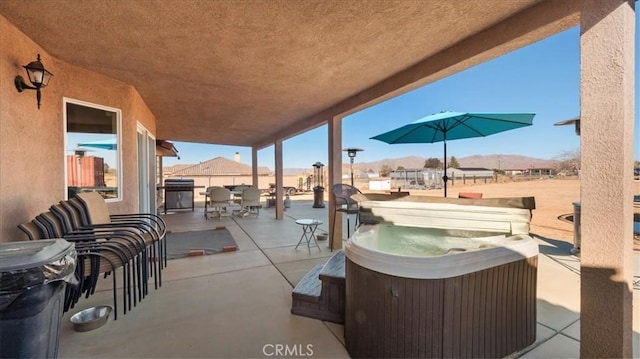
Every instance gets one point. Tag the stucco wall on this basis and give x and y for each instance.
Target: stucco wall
(607, 62)
(32, 141)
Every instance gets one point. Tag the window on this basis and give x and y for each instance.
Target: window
(93, 153)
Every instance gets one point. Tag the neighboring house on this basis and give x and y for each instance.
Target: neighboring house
(369, 175)
(218, 166)
(532, 171)
(221, 171)
(478, 172)
(169, 170)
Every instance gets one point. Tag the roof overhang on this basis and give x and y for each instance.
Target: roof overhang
(166, 149)
(250, 73)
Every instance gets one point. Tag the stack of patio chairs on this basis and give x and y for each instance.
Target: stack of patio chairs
(73, 211)
(133, 243)
(95, 257)
(94, 214)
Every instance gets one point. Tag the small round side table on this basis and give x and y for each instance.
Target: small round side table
(309, 227)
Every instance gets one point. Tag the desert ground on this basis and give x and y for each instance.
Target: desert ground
(554, 198)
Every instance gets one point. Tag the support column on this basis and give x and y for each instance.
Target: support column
(335, 177)
(607, 125)
(254, 167)
(160, 182)
(279, 178)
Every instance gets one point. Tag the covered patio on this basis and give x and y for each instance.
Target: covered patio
(236, 305)
(255, 74)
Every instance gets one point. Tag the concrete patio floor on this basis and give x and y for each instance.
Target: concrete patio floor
(237, 304)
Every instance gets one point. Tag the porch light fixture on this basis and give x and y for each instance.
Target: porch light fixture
(38, 76)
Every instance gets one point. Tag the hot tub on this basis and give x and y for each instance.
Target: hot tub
(440, 280)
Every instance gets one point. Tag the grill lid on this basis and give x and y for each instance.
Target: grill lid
(172, 183)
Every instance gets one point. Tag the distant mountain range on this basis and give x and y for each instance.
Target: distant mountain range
(504, 162)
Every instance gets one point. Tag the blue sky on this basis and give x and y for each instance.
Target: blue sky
(542, 78)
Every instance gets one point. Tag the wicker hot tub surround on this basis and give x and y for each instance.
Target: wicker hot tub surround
(476, 302)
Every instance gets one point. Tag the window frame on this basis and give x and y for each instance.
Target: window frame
(118, 112)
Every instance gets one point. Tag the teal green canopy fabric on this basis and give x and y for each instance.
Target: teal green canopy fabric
(448, 125)
(109, 144)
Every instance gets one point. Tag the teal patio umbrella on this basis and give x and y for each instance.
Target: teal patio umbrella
(109, 144)
(448, 125)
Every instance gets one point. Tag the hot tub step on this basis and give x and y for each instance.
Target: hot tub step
(309, 288)
(333, 270)
(320, 294)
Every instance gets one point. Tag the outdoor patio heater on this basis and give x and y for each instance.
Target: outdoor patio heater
(352, 152)
(318, 190)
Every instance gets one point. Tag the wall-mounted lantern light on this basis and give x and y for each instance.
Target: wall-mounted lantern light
(38, 76)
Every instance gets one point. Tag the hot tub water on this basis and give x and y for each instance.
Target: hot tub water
(420, 242)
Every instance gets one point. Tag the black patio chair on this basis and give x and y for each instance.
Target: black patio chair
(345, 204)
(93, 259)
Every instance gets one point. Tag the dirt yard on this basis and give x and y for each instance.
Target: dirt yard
(554, 198)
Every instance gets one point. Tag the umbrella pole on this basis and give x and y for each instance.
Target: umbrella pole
(445, 178)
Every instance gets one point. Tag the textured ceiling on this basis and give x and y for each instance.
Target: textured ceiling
(242, 72)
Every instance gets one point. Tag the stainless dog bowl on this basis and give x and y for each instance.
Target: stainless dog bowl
(91, 318)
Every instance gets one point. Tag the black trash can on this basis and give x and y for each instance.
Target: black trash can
(318, 197)
(33, 278)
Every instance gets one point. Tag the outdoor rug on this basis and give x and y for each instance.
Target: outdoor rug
(197, 243)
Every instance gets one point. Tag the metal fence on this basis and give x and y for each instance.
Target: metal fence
(417, 179)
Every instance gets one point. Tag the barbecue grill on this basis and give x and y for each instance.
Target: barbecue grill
(178, 193)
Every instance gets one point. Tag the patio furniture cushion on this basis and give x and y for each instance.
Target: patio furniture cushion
(98, 211)
(473, 195)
